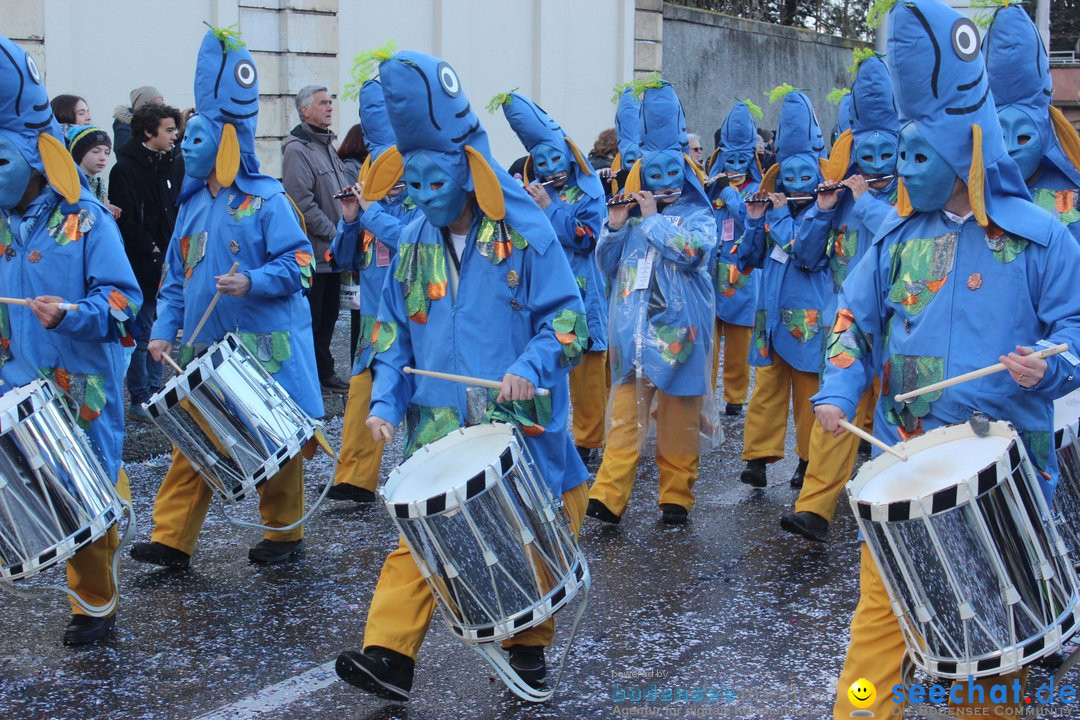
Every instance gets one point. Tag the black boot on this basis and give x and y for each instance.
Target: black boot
(810, 525)
(381, 672)
(155, 553)
(733, 410)
(528, 662)
(345, 491)
(754, 474)
(800, 473)
(673, 514)
(599, 510)
(83, 629)
(269, 552)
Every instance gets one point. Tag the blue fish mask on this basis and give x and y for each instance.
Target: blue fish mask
(797, 135)
(665, 170)
(27, 122)
(738, 141)
(438, 195)
(627, 130)
(199, 148)
(928, 178)
(1022, 138)
(545, 141)
(875, 125)
(1019, 72)
(429, 112)
(799, 174)
(15, 174)
(940, 84)
(378, 135)
(876, 155)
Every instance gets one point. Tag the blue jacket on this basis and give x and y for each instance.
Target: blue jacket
(74, 252)
(517, 311)
(946, 299)
(736, 291)
(661, 328)
(273, 319)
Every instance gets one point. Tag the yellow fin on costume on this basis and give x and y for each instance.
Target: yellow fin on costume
(903, 202)
(616, 163)
(768, 180)
(489, 194)
(695, 167)
(1066, 135)
(835, 168)
(364, 167)
(525, 174)
(712, 158)
(976, 178)
(383, 174)
(228, 156)
(59, 167)
(633, 179)
(582, 163)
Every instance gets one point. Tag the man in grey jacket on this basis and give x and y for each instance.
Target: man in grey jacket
(313, 173)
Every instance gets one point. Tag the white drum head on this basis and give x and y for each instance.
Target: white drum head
(447, 463)
(1067, 411)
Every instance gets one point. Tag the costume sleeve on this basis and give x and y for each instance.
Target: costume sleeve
(609, 249)
(750, 248)
(577, 225)
(299, 182)
(689, 244)
(391, 387)
(560, 329)
(345, 246)
(860, 321)
(112, 295)
(382, 224)
(287, 248)
(1058, 307)
(808, 250)
(170, 297)
(871, 211)
(734, 203)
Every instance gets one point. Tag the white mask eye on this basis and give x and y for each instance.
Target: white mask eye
(448, 79)
(32, 68)
(245, 73)
(965, 39)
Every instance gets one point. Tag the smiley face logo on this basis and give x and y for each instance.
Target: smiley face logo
(861, 693)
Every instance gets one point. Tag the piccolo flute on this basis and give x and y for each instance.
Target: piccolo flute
(347, 192)
(630, 201)
(810, 196)
(722, 177)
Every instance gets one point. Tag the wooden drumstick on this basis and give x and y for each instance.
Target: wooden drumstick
(70, 307)
(858, 431)
(975, 374)
(210, 308)
(481, 382)
(167, 359)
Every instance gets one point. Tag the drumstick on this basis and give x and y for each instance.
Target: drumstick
(210, 308)
(975, 374)
(70, 307)
(466, 379)
(856, 430)
(166, 358)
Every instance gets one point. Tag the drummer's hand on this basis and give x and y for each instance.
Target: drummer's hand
(1026, 371)
(515, 387)
(158, 349)
(236, 284)
(381, 430)
(49, 315)
(830, 416)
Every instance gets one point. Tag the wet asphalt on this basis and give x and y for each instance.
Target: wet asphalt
(729, 606)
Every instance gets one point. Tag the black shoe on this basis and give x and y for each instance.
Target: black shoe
(83, 629)
(584, 453)
(528, 662)
(733, 410)
(381, 672)
(345, 491)
(334, 385)
(270, 552)
(800, 473)
(754, 474)
(673, 514)
(864, 449)
(155, 553)
(599, 510)
(810, 525)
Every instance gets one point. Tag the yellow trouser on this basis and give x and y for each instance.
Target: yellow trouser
(876, 652)
(184, 497)
(677, 446)
(588, 396)
(402, 605)
(766, 419)
(736, 364)
(832, 460)
(360, 457)
(89, 571)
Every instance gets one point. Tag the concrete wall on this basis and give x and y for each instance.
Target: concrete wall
(713, 60)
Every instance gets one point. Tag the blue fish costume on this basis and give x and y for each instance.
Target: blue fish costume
(505, 303)
(576, 211)
(627, 129)
(660, 319)
(248, 220)
(367, 246)
(63, 243)
(938, 295)
(1021, 85)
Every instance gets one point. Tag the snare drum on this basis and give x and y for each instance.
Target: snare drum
(231, 419)
(978, 576)
(55, 496)
(489, 537)
(1067, 446)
